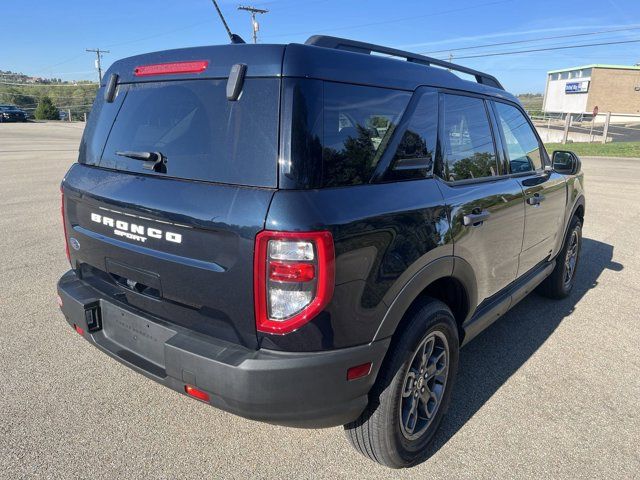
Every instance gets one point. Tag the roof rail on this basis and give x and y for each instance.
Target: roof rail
(367, 48)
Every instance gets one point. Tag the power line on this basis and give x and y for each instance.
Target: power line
(515, 52)
(99, 54)
(528, 41)
(254, 23)
(362, 25)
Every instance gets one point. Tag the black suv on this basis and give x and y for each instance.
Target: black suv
(306, 234)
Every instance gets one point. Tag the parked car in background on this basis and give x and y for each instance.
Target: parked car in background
(11, 113)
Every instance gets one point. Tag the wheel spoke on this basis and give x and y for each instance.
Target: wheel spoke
(411, 418)
(407, 389)
(427, 350)
(432, 368)
(428, 397)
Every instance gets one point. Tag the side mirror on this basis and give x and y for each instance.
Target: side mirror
(566, 162)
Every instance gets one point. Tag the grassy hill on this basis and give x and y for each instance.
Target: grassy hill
(532, 102)
(77, 97)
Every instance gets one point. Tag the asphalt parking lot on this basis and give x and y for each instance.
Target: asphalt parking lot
(550, 390)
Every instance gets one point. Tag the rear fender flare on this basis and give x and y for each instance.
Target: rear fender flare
(443, 267)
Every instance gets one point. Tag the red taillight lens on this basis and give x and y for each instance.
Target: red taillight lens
(78, 329)
(293, 278)
(64, 225)
(196, 66)
(196, 393)
(291, 272)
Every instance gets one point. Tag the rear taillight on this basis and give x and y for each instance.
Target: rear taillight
(64, 225)
(293, 278)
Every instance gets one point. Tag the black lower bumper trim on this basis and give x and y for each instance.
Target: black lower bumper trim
(285, 388)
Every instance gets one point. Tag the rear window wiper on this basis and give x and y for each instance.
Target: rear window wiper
(155, 161)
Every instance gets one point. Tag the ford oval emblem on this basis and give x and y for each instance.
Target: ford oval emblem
(74, 243)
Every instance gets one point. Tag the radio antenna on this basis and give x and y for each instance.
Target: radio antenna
(232, 36)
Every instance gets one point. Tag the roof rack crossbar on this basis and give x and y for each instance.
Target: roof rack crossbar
(368, 48)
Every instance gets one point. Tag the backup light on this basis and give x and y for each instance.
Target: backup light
(293, 278)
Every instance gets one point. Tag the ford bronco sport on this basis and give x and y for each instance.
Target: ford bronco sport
(306, 235)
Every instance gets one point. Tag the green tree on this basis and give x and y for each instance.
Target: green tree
(46, 110)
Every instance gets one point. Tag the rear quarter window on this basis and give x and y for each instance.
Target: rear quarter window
(334, 134)
(203, 135)
(358, 123)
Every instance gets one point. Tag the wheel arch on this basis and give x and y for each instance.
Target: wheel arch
(578, 209)
(449, 279)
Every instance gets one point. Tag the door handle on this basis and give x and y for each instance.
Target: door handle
(475, 219)
(536, 199)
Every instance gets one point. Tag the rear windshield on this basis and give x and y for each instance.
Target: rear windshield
(202, 135)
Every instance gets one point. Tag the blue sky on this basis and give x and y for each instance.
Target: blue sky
(47, 38)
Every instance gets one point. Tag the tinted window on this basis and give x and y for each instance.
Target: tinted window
(301, 133)
(522, 144)
(357, 124)
(202, 134)
(415, 153)
(467, 143)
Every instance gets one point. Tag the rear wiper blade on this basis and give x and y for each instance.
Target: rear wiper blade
(139, 155)
(155, 161)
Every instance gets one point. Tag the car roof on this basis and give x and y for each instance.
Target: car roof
(307, 61)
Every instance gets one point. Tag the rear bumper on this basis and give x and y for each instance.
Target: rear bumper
(294, 389)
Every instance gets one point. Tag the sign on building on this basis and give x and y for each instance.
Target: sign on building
(577, 87)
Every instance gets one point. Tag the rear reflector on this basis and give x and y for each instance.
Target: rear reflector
(359, 371)
(80, 330)
(196, 393)
(197, 66)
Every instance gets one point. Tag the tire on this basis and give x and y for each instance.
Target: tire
(383, 432)
(559, 284)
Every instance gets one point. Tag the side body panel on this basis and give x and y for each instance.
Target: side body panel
(492, 247)
(544, 221)
(384, 234)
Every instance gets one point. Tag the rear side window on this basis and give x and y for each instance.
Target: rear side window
(522, 144)
(202, 135)
(358, 122)
(468, 150)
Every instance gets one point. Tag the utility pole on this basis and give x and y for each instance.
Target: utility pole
(99, 54)
(254, 23)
